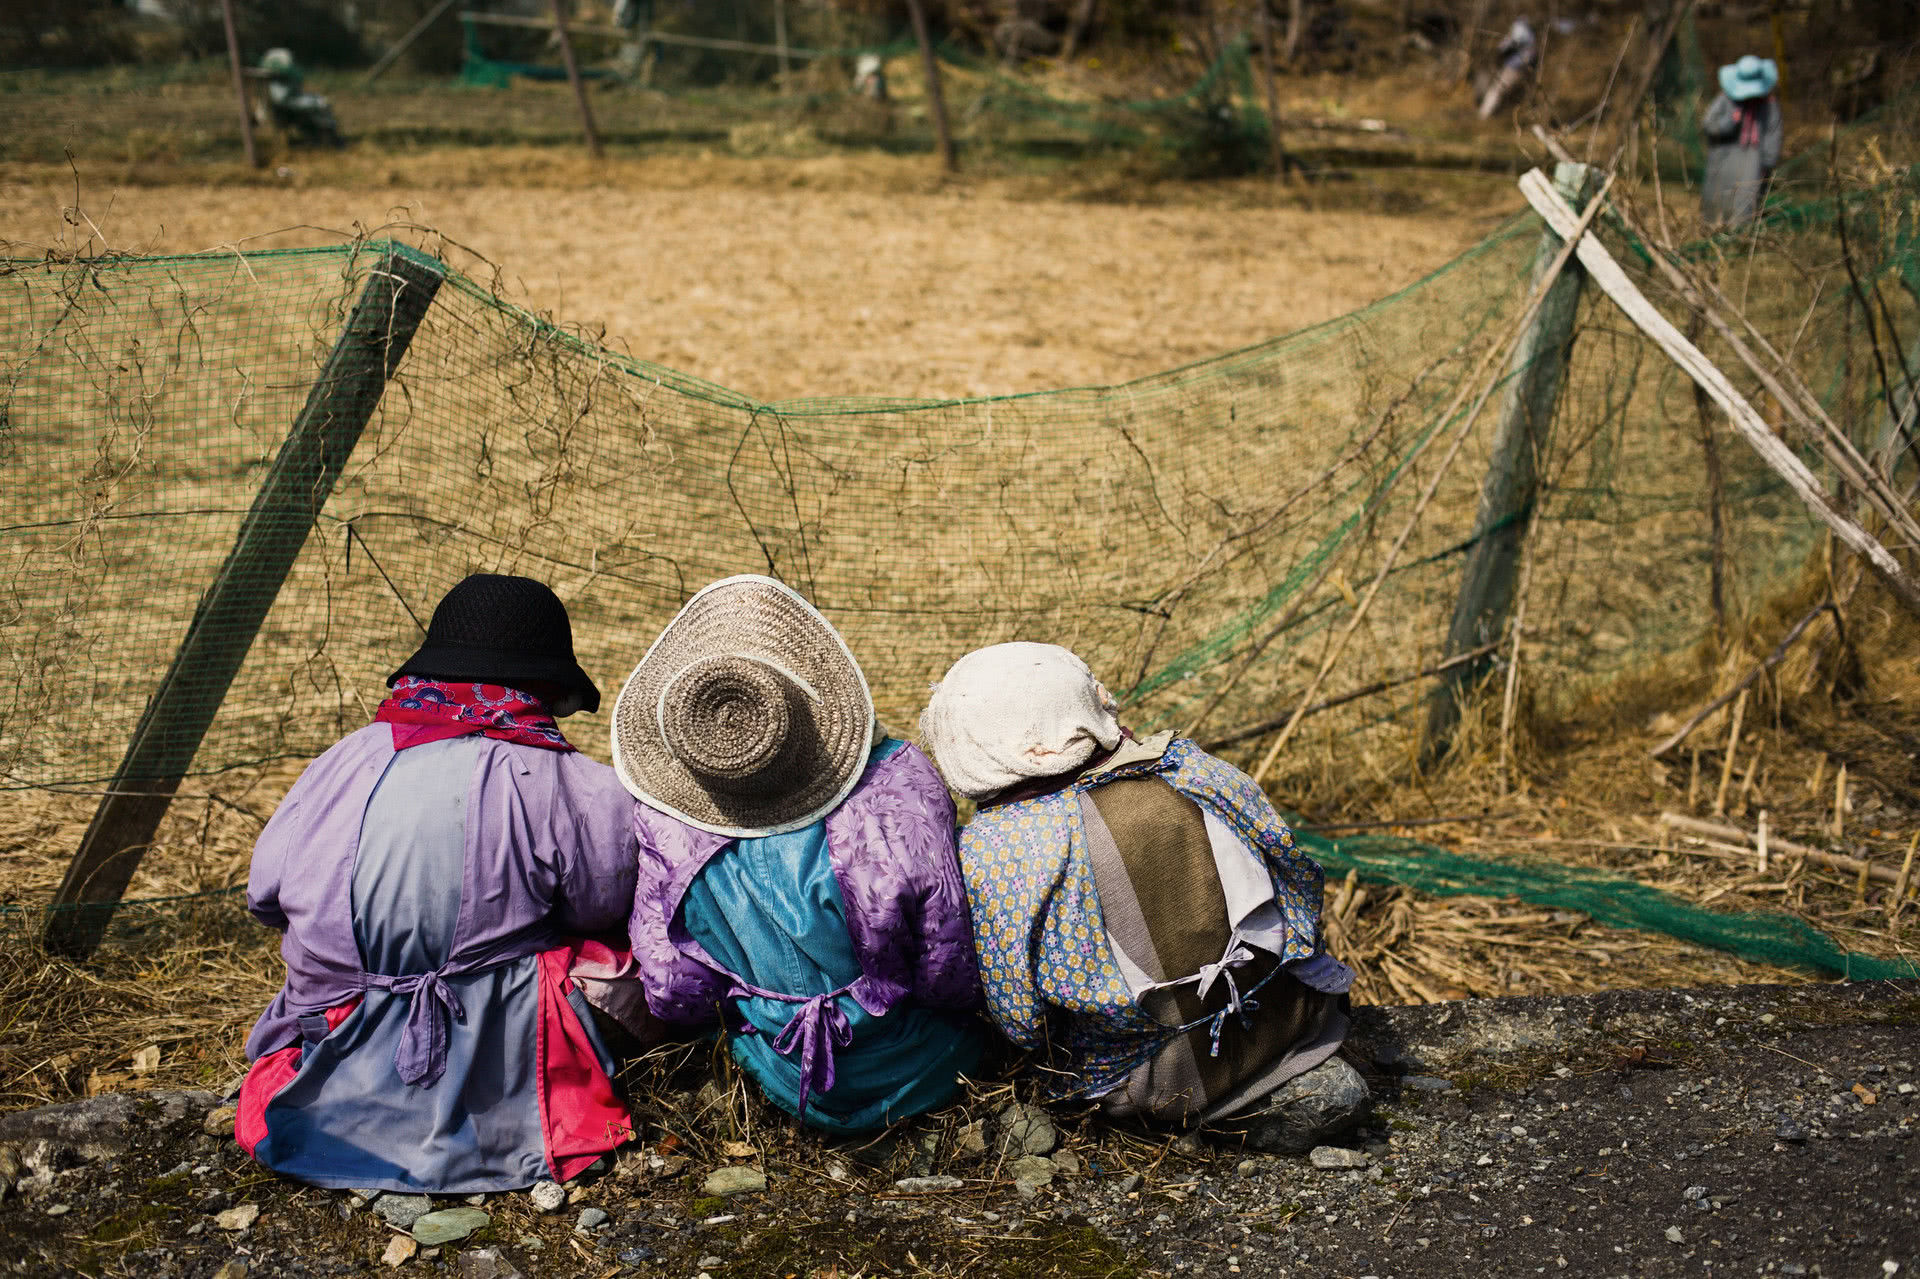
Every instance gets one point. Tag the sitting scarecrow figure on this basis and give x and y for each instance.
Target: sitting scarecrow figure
(307, 118)
(1142, 917)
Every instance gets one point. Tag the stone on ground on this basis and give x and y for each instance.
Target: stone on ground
(1032, 1170)
(401, 1211)
(1026, 1130)
(448, 1225)
(240, 1218)
(485, 1263)
(400, 1250)
(1309, 1110)
(547, 1196)
(923, 1184)
(734, 1180)
(1332, 1157)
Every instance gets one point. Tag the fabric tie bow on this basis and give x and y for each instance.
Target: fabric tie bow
(421, 1055)
(816, 1030)
(1238, 1005)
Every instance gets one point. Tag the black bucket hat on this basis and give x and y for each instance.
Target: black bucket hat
(495, 629)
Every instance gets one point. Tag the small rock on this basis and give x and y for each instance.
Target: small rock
(591, 1219)
(1483, 1161)
(1027, 1130)
(474, 1201)
(1426, 1083)
(1131, 1183)
(1310, 1110)
(361, 1198)
(401, 1211)
(547, 1196)
(400, 1250)
(101, 1127)
(634, 1256)
(1031, 1170)
(1066, 1161)
(485, 1263)
(1792, 1268)
(219, 1121)
(449, 1225)
(918, 1185)
(1191, 1146)
(1333, 1157)
(733, 1180)
(233, 1269)
(1694, 1192)
(1674, 1235)
(972, 1138)
(59, 1210)
(838, 1171)
(241, 1218)
(1247, 1167)
(709, 1263)
(1790, 1131)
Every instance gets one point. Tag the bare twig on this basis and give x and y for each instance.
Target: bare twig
(1772, 660)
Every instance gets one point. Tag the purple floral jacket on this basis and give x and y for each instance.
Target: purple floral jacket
(893, 851)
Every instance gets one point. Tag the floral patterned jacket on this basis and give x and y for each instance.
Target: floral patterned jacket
(1050, 977)
(892, 845)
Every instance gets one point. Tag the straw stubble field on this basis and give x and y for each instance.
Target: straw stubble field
(782, 294)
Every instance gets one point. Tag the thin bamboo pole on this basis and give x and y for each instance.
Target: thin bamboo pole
(239, 85)
(573, 78)
(1280, 171)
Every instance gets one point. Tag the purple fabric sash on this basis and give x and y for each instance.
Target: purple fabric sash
(420, 1058)
(818, 1028)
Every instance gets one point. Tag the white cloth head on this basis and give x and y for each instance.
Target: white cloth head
(1013, 712)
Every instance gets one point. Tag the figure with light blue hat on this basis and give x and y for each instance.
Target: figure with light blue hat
(1743, 131)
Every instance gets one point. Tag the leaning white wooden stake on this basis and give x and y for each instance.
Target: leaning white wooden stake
(1607, 273)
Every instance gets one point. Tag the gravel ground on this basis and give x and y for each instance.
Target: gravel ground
(1745, 1130)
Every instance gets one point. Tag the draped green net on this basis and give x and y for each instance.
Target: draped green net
(1199, 535)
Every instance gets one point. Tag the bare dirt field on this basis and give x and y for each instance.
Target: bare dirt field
(847, 276)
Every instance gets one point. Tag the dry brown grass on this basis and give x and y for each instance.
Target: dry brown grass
(952, 290)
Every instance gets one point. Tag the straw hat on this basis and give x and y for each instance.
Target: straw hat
(747, 717)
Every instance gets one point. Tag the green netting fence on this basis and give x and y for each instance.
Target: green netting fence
(1167, 528)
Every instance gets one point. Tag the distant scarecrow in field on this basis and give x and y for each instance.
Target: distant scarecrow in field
(306, 117)
(441, 876)
(1517, 54)
(798, 880)
(1744, 133)
(1142, 918)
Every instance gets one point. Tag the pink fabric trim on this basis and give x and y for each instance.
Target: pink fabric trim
(266, 1077)
(580, 1115)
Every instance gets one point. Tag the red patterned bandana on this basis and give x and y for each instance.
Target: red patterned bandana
(428, 710)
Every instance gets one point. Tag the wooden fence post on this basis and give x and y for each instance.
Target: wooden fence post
(573, 77)
(339, 405)
(239, 85)
(1535, 375)
(936, 100)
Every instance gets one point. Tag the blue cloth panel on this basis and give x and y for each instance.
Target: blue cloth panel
(770, 911)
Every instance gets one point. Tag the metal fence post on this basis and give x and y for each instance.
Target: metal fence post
(339, 404)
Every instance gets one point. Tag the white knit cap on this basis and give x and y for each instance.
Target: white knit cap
(1012, 712)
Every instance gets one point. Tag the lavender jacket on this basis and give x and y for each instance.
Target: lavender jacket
(549, 853)
(892, 846)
